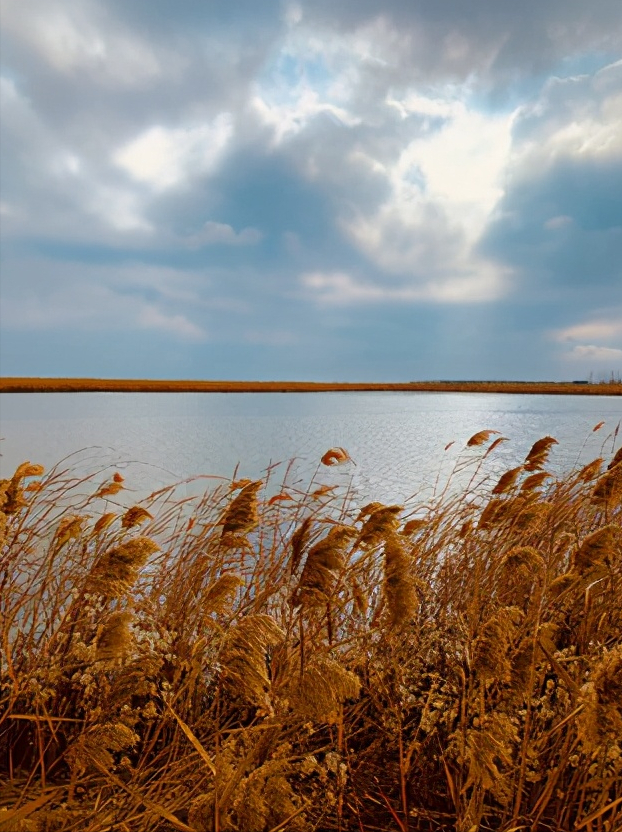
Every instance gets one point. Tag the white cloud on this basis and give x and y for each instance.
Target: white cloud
(164, 157)
(444, 185)
(311, 73)
(596, 329)
(577, 118)
(561, 221)
(220, 233)
(120, 208)
(592, 352)
(413, 103)
(150, 317)
(341, 289)
(289, 119)
(293, 14)
(338, 288)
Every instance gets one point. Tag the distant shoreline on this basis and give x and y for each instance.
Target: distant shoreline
(96, 385)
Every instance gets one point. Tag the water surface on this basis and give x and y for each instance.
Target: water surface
(396, 440)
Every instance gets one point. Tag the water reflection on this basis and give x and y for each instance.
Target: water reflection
(397, 441)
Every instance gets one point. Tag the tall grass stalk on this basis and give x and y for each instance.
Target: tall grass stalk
(233, 661)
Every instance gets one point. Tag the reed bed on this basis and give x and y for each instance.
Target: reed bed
(613, 387)
(232, 662)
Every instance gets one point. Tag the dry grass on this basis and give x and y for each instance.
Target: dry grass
(232, 662)
(78, 385)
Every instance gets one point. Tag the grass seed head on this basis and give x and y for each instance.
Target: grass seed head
(507, 480)
(324, 561)
(617, 459)
(600, 721)
(117, 569)
(219, 595)
(490, 649)
(243, 657)
(134, 516)
(539, 453)
(399, 587)
(242, 515)
(608, 489)
(381, 525)
(115, 639)
(480, 438)
(518, 570)
(93, 750)
(595, 549)
(324, 685)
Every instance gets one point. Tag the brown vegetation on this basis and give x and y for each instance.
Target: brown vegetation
(233, 662)
(97, 385)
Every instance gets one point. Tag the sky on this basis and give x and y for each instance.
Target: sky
(324, 191)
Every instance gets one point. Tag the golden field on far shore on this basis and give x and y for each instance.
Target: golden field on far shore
(97, 385)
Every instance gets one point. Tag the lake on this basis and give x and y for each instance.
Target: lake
(396, 440)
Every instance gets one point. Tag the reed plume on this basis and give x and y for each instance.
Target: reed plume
(539, 453)
(381, 524)
(324, 561)
(116, 570)
(242, 515)
(616, 459)
(335, 456)
(134, 516)
(600, 722)
(114, 640)
(517, 573)
(596, 549)
(490, 649)
(244, 657)
(608, 489)
(460, 669)
(480, 438)
(93, 750)
(399, 586)
(324, 686)
(507, 480)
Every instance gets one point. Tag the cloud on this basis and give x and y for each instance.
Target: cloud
(444, 176)
(558, 225)
(340, 288)
(560, 221)
(599, 338)
(442, 188)
(88, 298)
(442, 40)
(591, 352)
(79, 37)
(150, 317)
(214, 233)
(597, 329)
(577, 118)
(165, 157)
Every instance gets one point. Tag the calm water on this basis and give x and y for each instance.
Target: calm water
(396, 440)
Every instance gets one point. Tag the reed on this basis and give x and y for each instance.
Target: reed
(236, 662)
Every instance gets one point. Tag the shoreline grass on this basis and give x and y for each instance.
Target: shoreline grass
(95, 385)
(229, 662)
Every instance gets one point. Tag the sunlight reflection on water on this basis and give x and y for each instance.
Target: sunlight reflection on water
(396, 440)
